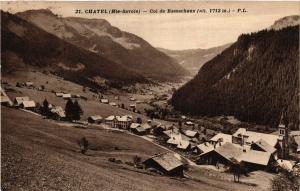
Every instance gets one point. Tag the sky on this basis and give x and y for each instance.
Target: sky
(176, 31)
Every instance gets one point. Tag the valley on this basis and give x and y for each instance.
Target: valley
(86, 105)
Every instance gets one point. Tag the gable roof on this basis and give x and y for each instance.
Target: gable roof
(255, 157)
(265, 146)
(256, 136)
(222, 137)
(228, 151)
(190, 133)
(146, 126)
(205, 147)
(96, 117)
(104, 101)
(19, 100)
(134, 125)
(110, 118)
(167, 161)
(28, 104)
(183, 144)
(66, 96)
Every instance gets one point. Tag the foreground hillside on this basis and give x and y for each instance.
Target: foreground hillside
(101, 38)
(193, 59)
(255, 79)
(25, 46)
(38, 154)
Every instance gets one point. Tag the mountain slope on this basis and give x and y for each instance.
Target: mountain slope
(98, 36)
(25, 45)
(255, 79)
(193, 59)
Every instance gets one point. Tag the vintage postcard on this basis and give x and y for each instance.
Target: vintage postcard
(150, 95)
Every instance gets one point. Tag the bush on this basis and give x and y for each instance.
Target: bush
(285, 181)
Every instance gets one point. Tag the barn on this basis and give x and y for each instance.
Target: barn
(165, 163)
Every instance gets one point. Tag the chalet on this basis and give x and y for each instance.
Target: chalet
(132, 106)
(189, 123)
(29, 105)
(95, 119)
(59, 94)
(243, 136)
(136, 128)
(67, 96)
(255, 160)
(110, 120)
(5, 100)
(123, 122)
(19, 100)
(105, 101)
(113, 104)
(184, 145)
(262, 145)
(225, 154)
(286, 164)
(222, 155)
(221, 138)
(132, 99)
(57, 112)
(191, 134)
(165, 163)
(204, 148)
(29, 84)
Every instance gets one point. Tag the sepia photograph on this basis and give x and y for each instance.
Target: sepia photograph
(150, 96)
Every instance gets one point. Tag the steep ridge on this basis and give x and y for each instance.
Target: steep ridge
(100, 37)
(255, 79)
(26, 46)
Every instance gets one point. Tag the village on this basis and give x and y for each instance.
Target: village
(188, 141)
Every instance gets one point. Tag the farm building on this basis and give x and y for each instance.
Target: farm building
(204, 148)
(136, 128)
(58, 94)
(57, 112)
(132, 106)
(225, 154)
(122, 122)
(165, 163)
(5, 100)
(106, 101)
(191, 134)
(67, 96)
(221, 138)
(95, 119)
(243, 136)
(113, 104)
(29, 105)
(29, 84)
(19, 100)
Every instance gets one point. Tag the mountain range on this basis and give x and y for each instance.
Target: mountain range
(99, 37)
(256, 79)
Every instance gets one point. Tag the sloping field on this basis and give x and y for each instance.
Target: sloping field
(38, 154)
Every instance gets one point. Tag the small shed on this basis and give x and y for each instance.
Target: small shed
(191, 134)
(165, 163)
(95, 119)
(113, 104)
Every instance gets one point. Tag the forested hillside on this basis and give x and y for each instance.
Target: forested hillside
(255, 79)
